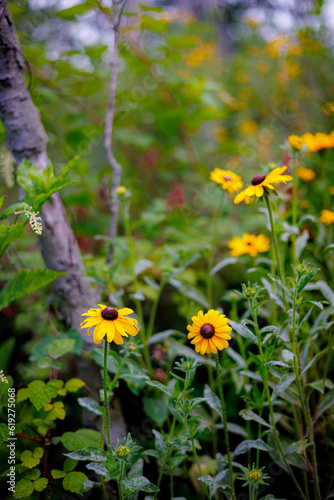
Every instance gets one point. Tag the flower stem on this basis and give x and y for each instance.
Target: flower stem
(106, 411)
(275, 242)
(300, 389)
(224, 416)
(167, 455)
(213, 246)
(270, 403)
(294, 204)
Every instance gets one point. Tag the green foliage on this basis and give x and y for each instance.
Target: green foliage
(26, 282)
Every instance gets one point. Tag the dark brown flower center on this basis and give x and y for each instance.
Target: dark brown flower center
(207, 331)
(227, 178)
(257, 179)
(109, 313)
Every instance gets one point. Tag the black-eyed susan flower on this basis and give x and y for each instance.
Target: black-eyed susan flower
(110, 322)
(262, 184)
(249, 244)
(209, 332)
(305, 174)
(228, 180)
(327, 217)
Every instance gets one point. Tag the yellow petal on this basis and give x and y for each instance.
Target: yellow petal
(125, 311)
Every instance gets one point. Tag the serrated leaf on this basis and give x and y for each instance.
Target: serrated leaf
(90, 405)
(41, 484)
(74, 384)
(92, 453)
(57, 474)
(26, 282)
(28, 460)
(40, 393)
(9, 234)
(74, 482)
(59, 347)
(23, 488)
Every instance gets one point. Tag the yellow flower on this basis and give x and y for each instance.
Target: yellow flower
(209, 332)
(295, 142)
(331, 190)
(305, 174)
(110, 322)
(249, 244)
(327, 217)
(229, 181)
(318, 141)
(263, 183)
(328, 108)
(249, 127)
(121, 190)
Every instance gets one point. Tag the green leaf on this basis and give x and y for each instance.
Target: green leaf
(28, 460)
(142, 265)
(90, 405)
(304, 280)
(248, 444)
(250, 415)
(41, 484)
(71, 13)
(283, 384)
(313, 360)
(223, 263)
(33, 474)
(310, 303)
(243, 331)
(280, 284)
(140, 483)
(57, 474)
(80, 439)
(40, 393)
(70, 464)
(89, 453)
(74, 384)
(212, 400)
(156, 409)
(74, 482)
(26, 282)
(328, 248)
(98, 468)
(6, 350)
(9, 234)
(159, 337)
(23, 488)
(60, 347)
(326, 291)
(161, 387)
(326, 403)
(4, 433)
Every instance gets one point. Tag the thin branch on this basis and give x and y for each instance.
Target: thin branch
(108, 130)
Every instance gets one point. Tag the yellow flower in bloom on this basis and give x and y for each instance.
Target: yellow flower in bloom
(305, 174)
(327, 217)
(229, 181)
(110, 322)
(318, 141)
(249, 244)
(262, 184)
(121, 190)
(295, 142)
(209, 332)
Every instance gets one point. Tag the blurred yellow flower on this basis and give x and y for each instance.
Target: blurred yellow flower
(249, 127)
(197, 56)
(305, 174)
(318, 141)
(241, 76)
(295, 142)
(262, 67)
(209, 332)
(328, 108)
(220, 134)
(229, 181)
(121, 190)
(262, 184)
(331, 190)
(110, 322)
(327, 217)
(293, 70)
(249, 244)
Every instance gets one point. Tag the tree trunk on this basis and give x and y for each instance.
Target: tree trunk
(27, 139)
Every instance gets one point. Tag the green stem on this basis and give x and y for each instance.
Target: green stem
(120, 487)
(224, 416)
(139, 309)
(294, 204)
(300, 389)
(106, 411)
(169, 443)
(154, 308)
(270, 403)
(213, 246)
(275, 242)
(104, 488)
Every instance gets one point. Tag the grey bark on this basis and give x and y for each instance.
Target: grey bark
(27, 139)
